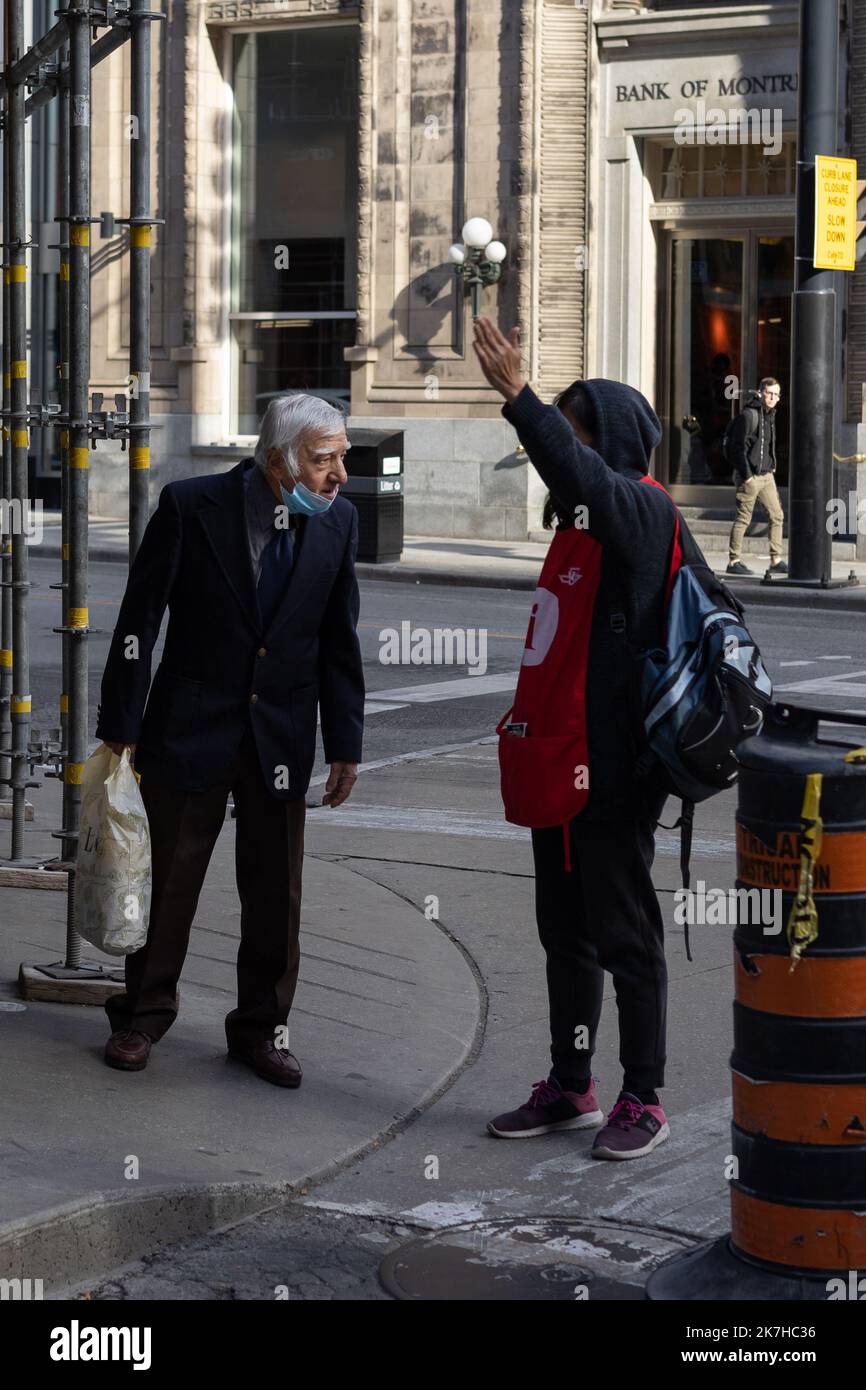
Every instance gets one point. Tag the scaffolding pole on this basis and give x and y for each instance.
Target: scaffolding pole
(5, 524)
(18, 421)
(68, 846)
(76, 619)
(139, 275)
(68, 78)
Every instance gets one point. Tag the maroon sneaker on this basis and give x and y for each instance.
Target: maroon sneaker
(549, 1108)
(632, 1129)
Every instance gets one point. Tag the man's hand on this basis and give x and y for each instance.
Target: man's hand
(500, 358)
(341, 780)
(119, 747)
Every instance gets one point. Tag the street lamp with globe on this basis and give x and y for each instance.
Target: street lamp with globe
(478, 260)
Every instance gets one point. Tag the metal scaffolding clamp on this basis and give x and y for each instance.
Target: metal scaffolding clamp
(108, 424)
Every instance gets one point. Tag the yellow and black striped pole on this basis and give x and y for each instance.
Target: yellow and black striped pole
(17, 423)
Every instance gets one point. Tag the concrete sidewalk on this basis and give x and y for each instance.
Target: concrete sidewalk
(500, 564)
(385, 1014)
(436, 828)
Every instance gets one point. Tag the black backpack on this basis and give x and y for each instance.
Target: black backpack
(700, 694)
(752, 399)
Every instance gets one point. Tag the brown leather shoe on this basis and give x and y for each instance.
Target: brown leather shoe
(128, 1050)
(271, 1063)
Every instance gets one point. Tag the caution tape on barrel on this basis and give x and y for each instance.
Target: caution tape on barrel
(803, 920)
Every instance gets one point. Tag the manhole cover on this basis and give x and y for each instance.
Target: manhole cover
(533, 1258)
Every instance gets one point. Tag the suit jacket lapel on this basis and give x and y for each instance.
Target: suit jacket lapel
(223, 515)
(318, 531)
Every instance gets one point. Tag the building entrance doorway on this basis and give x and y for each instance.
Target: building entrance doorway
(727, 325)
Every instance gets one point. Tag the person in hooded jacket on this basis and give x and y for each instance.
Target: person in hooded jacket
(753, 465)
(596, 907)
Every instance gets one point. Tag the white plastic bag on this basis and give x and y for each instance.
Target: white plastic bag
(113, 872)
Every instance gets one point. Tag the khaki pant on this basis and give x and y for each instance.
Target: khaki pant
(761, 487)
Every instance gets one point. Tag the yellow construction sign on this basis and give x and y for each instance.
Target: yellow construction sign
(835, 213)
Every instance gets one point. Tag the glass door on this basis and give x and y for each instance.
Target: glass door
(706, 352)
(728, 318)
(774, 284)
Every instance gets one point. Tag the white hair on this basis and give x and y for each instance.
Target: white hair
(288, 418)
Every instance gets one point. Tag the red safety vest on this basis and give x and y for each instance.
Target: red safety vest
(543, 750)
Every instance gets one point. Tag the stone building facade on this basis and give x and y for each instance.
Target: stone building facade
(315, 159)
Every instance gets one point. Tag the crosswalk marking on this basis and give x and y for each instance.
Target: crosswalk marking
(843, 685)
(456, 689)
(426, 821)
(460, 688)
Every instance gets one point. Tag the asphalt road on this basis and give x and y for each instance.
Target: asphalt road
(819, 651)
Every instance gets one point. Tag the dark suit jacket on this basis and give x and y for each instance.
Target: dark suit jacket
(220, 667)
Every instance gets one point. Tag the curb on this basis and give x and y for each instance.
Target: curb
(81, 1243)
(842, 600)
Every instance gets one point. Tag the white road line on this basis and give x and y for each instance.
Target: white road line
(418, 755)
(843, 685)
(835, 658)
(457, 689)
(426, 821)
(796, 663)
(460, 688)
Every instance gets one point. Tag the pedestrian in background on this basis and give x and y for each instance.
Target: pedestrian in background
(596, 907)
(751, 450)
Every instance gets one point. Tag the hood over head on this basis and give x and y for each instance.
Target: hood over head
(627, 427)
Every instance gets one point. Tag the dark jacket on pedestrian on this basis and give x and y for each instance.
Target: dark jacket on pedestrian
(221, 666)
(752, 447)
(634, 523)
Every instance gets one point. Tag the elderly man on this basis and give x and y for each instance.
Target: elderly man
(256, 566)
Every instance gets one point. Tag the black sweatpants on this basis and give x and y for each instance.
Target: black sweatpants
(602, 915)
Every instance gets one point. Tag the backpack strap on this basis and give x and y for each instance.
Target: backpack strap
(677, 551)
(685, 824)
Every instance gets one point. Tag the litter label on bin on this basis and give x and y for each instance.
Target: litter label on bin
(392, 464)
(840, 868)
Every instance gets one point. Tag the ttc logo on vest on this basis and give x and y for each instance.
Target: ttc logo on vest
(543, 621)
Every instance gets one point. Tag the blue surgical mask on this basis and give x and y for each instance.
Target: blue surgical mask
(304, 502)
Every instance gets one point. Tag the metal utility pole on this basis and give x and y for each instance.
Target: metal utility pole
(813, 354)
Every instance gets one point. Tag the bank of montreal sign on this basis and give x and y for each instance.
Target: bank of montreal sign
(648, 95)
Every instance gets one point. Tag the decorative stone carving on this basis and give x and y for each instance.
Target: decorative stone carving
(700, 208)
(366, 146)
(233, 10)
(190, 140)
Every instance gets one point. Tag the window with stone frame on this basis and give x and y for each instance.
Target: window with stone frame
(725, 171)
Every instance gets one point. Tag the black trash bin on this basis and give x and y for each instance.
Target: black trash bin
(375, 467)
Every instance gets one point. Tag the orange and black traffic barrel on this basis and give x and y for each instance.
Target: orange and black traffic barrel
(798, 1189)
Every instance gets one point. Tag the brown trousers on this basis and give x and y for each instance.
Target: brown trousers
(269, 852)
